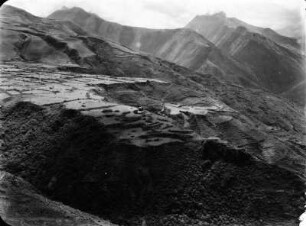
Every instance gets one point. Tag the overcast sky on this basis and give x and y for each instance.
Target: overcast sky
(175, 13)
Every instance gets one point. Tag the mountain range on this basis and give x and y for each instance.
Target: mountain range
(226, 47)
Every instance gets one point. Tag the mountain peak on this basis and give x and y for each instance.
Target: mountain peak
(75, 9)
(220, 14)
(68, 13)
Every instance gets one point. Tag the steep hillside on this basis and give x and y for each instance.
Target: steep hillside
(142, 141)
(277, 68)
(22, 204)
(214, 26)
(180, 46)
(184, 156)
(24, 36)
(276, 60)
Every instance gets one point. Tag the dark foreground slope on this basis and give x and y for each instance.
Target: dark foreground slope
(139, 140)
(21, 204)
(83, 142)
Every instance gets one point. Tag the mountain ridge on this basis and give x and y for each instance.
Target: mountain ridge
(276, 60)
(164, 43)
(222, 20)
(277, 54)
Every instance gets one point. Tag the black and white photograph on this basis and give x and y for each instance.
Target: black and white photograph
(152, 113)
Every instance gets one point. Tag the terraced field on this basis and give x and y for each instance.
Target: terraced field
(136, 139)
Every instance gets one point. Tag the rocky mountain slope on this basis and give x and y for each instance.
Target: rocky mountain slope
(212, 27)
(277, 61)
(181, 46)
(139, 140)
(248, 55)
